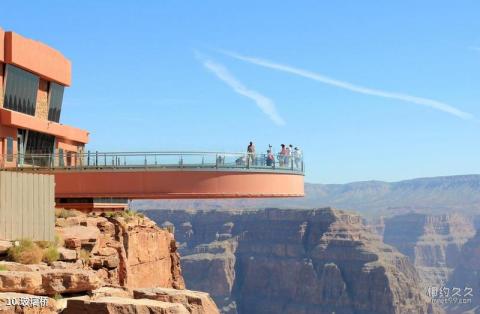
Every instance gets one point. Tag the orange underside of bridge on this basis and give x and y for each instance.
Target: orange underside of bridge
(164, 184)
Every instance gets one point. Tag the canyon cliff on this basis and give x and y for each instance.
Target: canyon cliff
(466, 275)
(432, 242)
(293, 261)
(114, 263)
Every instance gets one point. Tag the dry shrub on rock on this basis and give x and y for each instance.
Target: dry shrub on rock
(25, 252)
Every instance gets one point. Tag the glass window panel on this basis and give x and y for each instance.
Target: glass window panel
(21, 90)
(55, 98)
(39, 144)
(9, 148)
(61, 162)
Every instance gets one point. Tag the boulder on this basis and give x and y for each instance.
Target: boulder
(62, 303)
(110, 292)
(107, 251)
(49, 282)
(195, 302)
(73, 243)
(13, 303)
(109, 262)
(4, 246)
(86, 234)
(12, 266)
(69, 281)
(67, 255)
(66, 265)
(116, 305)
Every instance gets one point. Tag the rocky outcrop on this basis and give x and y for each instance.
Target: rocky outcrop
(115, 305)
(129, 251)
(195, 302)
(49, 282)
(101, 261)
(22, 303)
(293, 261)
(433, 243)
(153, 300)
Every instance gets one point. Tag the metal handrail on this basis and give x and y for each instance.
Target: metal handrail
(148, 160)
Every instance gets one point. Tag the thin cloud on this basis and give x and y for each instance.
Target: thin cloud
(264, 103)
(475, 48)
(352, 87)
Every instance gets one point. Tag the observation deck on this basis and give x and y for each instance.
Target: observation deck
(96, 176)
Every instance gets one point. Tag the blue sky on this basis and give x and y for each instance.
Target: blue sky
(154, 76)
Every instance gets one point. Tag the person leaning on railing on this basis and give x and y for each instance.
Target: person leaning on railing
(282, 156)
(270, 158)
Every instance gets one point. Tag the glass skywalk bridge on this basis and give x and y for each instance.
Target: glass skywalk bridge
(105, 181)
(158, 160)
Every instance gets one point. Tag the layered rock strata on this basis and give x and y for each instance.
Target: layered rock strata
(126, 251)
(293, 261)
(432, 242)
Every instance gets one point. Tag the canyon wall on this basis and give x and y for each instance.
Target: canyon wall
(432, 242)
(466, 275)
(293, 261)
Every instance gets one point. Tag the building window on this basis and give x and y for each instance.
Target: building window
(21, 90)
(39, 143)
(61, 161)
(55, 98)
(38, 148)
(69, 159)
(9, 148)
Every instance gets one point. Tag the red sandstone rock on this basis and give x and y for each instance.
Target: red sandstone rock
(67, 255)
(115, 305)
(49, 282)
(73, 243)
(195, 302)
(8, 297)
(152, 259)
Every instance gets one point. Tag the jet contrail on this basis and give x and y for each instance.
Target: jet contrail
(352, 87)
(264, 103)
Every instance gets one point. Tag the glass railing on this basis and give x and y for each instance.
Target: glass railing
(166, 160)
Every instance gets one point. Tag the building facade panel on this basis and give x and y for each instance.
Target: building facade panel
(37, 57)
(27, 206)
(2, 45)
(19, 120)
(2, 67)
